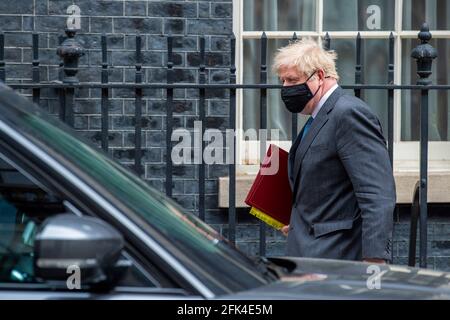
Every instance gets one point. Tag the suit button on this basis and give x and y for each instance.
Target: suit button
(311, 229)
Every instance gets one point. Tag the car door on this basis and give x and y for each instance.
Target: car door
(26, 200)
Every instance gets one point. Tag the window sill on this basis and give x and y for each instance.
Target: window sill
(405, 173)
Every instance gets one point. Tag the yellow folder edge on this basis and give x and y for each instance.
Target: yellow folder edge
(266, 218)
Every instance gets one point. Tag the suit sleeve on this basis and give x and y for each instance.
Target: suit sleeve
(362, 150)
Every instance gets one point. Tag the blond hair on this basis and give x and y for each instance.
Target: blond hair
(308, 56)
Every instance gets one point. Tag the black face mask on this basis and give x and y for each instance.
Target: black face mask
(296, 97)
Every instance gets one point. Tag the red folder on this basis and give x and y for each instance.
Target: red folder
(270, 196)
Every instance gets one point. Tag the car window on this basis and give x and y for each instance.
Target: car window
(23, 207)
(188, 237)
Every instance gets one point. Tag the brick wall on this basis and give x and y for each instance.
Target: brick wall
(186, 20)
(121, 20)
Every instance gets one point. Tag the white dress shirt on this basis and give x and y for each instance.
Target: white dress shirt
(323, 100)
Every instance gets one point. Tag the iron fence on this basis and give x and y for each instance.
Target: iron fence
(70, 50)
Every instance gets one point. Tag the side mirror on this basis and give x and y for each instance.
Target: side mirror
(67, 244)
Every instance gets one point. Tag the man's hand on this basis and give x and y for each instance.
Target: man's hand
(285, 230)
(375, 260)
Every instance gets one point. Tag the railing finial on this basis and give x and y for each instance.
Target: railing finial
(425, 34)
(70, 51)
(327, 42)
(424, 53)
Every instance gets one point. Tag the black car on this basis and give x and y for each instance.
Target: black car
(76, 224)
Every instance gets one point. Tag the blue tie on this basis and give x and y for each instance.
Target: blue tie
(307, 125)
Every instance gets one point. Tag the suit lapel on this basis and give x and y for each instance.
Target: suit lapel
(303, 145)
(292, 153)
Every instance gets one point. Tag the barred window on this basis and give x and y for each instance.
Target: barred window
(343, 19)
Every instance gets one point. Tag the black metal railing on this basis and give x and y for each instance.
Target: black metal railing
(70, 51)
(415, 212)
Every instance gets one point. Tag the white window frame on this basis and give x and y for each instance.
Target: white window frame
(406, 153)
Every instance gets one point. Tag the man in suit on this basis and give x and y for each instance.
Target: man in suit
(339, 169)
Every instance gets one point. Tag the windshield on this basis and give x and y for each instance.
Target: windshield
(193, 242)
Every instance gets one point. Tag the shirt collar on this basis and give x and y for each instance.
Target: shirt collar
(323, 100)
